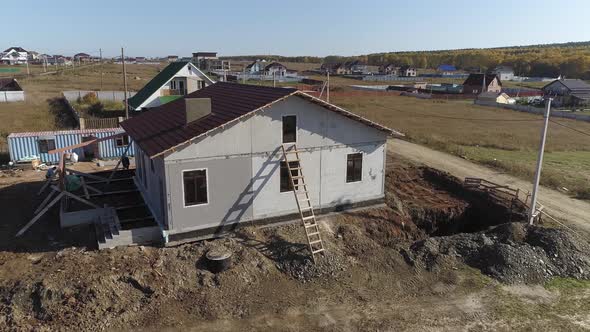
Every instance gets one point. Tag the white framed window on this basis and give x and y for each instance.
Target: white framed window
(354, 167)
(195, 187)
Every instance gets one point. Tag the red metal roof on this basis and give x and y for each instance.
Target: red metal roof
(162, 128)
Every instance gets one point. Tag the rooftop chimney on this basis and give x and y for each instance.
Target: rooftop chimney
(196, 108)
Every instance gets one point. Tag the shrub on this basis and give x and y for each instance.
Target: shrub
(90, 98)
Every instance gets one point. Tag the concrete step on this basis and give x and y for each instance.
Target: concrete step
(136, 236)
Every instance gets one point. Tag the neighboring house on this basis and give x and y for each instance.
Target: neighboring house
(213, 159)
(51, 60)
(59, 60)
(208, 61)
(10, 90)
(82, 57)
(256, 67)
(389, 69)
(504, 73)
(275, 69)
(408, 71)
(495, 97)
(172, 58)
(14, 56)
(336, 68)
(176, 80)
(474, 84)
(33, 56)
(568, 92)
(357, 68)
(446, 70)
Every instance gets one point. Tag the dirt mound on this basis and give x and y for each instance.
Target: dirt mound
(292, 257)
(511, 253)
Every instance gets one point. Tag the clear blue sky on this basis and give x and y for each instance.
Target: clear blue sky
(300, 27)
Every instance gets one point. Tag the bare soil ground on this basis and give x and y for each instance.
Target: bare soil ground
(364, 282)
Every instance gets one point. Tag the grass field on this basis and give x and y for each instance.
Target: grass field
(499, 138)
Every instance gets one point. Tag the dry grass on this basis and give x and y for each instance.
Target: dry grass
(508, 141)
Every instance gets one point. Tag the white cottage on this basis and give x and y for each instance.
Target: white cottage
(213, 159)
(14, 56)
(176, 80)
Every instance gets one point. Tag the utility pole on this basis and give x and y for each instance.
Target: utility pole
(539, 163)
(274, 79)
(328, 87)
(101, 70)
(28, 71)
(125, 84)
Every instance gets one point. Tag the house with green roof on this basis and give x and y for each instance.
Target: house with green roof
(176, 80)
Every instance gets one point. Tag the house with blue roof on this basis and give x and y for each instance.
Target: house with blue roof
(446, 70)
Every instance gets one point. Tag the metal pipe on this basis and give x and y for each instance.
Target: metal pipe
(539, 163)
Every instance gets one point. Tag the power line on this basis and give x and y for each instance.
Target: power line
(467, 119)
(571, 128)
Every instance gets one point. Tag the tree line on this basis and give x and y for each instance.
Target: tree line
(550, 60)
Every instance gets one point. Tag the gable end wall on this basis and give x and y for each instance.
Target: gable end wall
(243, 159)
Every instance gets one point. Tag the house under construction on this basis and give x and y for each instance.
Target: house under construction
(231, 153)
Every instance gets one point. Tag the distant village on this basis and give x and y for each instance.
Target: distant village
(484, 87)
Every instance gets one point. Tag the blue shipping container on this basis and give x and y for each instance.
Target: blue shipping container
(29, 145)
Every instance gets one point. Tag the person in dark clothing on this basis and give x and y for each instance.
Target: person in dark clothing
(50, 172)
(125, 161)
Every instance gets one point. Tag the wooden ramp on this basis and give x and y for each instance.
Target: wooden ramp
(301, 192)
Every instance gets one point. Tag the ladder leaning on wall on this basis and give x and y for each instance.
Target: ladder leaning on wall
(301, 192)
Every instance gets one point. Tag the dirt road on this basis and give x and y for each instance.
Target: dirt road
(574, 212)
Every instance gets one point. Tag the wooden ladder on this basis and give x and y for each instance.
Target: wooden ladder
(300, 190)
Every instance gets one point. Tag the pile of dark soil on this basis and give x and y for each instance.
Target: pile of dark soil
(511, 253)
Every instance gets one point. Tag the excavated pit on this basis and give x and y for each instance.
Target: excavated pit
(440, 205)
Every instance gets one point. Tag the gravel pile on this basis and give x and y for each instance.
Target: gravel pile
(511, 253)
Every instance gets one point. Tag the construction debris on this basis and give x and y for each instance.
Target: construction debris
(511, 253)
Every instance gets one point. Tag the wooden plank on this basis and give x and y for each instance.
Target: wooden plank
(79, 199)
(113, 180)
(94, 189)
(84, 187)
(80, 145)
(90, 176)
(115, 192)
(45, 201)
(47, 183)
(39, 215)
(129, 207)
